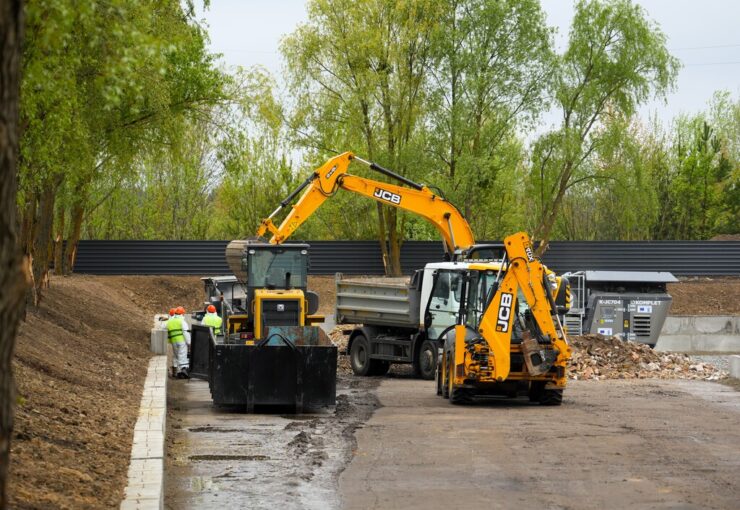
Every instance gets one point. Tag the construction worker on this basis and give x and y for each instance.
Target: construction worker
(212, 320)
(179, 337)
(163, 320)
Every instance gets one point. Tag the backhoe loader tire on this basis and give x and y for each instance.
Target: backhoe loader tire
(446, 379)
(425, 363)
(438, 380)
(461, 396)
(536, 391)
(551, 398)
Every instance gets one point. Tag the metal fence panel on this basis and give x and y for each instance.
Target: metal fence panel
(686, 258)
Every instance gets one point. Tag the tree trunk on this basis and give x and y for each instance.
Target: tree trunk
(394, 243)
(70, 252)
(29, 218)
(382, 239)
(42, 243)
(12, 281)
(59, 241)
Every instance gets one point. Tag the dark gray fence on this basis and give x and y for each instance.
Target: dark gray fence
(363, 257)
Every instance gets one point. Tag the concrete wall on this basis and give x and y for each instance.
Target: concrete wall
(700, 333)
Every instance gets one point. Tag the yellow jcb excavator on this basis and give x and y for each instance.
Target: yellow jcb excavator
(333, 175)
(416, 198)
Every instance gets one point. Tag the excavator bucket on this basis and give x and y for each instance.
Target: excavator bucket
(292, 366)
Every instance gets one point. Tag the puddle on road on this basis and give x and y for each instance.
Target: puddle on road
(214, 429)
(295, 459)
(228, 457)
(202, 483)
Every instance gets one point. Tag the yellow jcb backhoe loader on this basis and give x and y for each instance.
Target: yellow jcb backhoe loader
(507, 338)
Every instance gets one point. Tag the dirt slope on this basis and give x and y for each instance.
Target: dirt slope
(80, 363)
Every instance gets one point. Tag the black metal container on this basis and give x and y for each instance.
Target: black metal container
(293, 366)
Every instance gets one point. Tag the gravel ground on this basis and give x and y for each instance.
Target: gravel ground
(722, 362)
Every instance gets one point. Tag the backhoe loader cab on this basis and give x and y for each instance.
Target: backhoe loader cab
(271, 352)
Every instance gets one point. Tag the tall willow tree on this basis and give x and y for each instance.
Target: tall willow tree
(492, 61)
(357, 69)
(616, 59)
(104, 84)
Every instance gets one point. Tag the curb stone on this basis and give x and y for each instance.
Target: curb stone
(145, 488)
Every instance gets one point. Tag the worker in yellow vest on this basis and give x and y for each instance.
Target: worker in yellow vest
(213, 320)
(179, 337)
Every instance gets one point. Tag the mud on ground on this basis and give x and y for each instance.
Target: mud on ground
(80, 362)
(223, 457)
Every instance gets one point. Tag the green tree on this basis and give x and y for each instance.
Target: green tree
(357, 70)
(616, 59)
(617, 197)
(491, 66)
(106, 85)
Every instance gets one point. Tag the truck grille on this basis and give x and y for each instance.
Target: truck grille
(641, 325)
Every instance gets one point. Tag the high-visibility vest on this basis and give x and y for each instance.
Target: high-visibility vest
(174, 330)
(214, 321)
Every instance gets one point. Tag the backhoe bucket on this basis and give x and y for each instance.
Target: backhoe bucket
(293, 366)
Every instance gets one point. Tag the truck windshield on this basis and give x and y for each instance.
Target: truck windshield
(277, 268)
(444, 301)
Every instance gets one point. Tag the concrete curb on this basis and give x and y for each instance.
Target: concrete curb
(145, 489)
(735, 366)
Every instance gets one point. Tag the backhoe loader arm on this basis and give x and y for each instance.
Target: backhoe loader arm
(523, 271)
(332, 175)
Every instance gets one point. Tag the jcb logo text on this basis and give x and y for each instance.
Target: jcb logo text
(504, 313)
(387, 196)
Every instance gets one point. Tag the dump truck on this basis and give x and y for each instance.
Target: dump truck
(272, 351)
(478, 327)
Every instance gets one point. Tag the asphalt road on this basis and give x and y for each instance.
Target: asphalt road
(612, 444)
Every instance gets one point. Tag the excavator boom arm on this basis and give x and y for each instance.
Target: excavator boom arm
(524, 273)
(333, 175)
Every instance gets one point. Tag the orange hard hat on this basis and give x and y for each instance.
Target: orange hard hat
(211, 309)
(180, 310)
(172, 312)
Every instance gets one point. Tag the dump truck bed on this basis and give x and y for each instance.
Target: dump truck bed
(377, 301)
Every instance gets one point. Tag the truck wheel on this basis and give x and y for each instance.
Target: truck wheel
(425, 365)
(359, 356)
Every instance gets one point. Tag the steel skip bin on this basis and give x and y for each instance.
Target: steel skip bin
(292, 366)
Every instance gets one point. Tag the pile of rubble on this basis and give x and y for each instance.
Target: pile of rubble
(599, 357)
(341, 339)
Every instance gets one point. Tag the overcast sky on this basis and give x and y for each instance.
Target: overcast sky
(703, 34)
